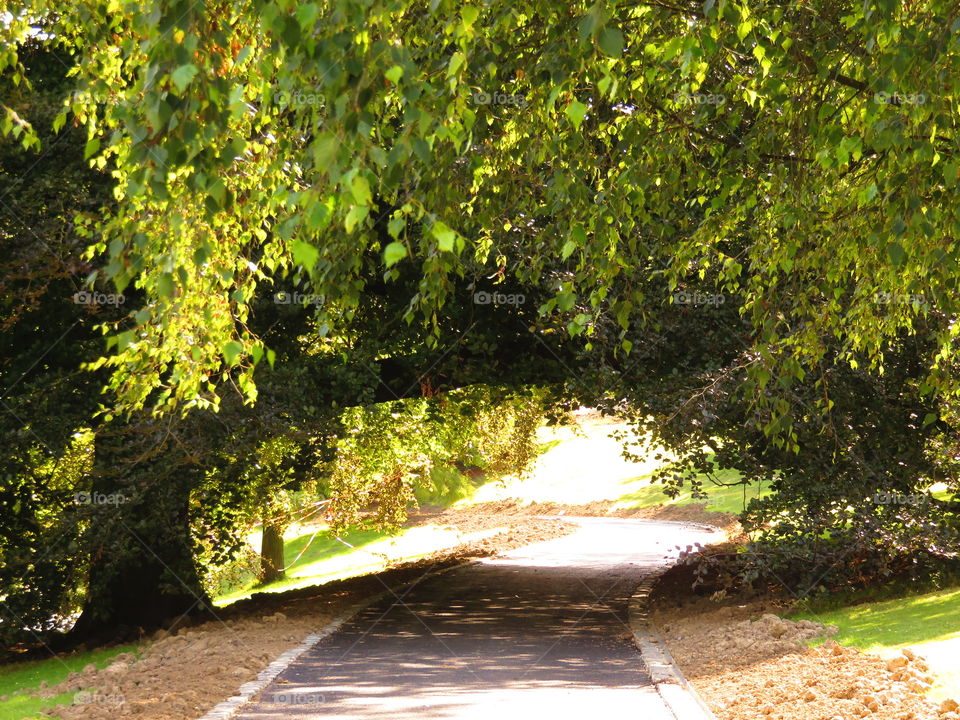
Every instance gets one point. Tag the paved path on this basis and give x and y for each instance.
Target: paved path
(539, 632)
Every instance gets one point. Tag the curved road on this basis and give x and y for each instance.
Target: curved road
(540, 631)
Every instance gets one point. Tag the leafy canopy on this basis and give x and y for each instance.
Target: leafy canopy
(255, 140)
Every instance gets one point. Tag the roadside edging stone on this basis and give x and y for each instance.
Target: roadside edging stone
(676, 691)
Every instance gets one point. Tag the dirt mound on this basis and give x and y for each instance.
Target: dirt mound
(748, 667)
(695, 513)
(180, 676)
(476, 518)
(734, 642)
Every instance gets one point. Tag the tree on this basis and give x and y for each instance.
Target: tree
(48, 329)
(170, 485)
(854, 496)
(267, 138)
(593, 160)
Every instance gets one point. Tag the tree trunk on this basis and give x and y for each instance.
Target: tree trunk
(142, 572)
(271, 554)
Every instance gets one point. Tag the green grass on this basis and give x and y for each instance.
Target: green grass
(327, 559)
(53, 671)
(928, 623)
(720, 498)
(24, 707)
(577, 468)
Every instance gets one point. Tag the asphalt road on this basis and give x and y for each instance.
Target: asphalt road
(539, 632)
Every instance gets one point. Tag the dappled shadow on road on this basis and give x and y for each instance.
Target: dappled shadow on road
(543, 628)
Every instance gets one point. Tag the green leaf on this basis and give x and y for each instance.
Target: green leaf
(304, 254)
(183, 76)
(444, 235)
(576, 111)
(867, 194)
(291, 32)
(951, 171)
(456, 62)
(231, 351)
(307, 16)
(318, 216)
(394, 74)
(165, 285)
(360, 189)
(896, 253)
(469, 15)
(355, 217)
(568, 247)
(422, 149)
(91, 148)
(325, 149)
(566, 300)
(587, 24)
(611, 42)
(394, 253)
(217, 190)
(395, 225)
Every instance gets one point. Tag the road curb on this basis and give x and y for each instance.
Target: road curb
(677, 693)
(248, 691)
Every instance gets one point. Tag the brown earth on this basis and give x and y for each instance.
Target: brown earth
(181, 675)
(747, 663)
(694, 513)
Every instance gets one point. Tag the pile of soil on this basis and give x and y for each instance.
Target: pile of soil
(477, 518)
(748, 663)
(183, 673)
(694, 513)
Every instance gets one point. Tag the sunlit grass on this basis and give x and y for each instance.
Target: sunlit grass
(578, 469)
(53, 671)
(928, 624)
(575, 469)
(329, 559)
(731, 499)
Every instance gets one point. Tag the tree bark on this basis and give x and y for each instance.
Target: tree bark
(271, 554)
(142, 572)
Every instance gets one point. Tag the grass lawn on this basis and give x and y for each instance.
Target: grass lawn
(928, 624)
(52, 671)
(585, 467)
(721, 498)
(328, 559)
(325, 558)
